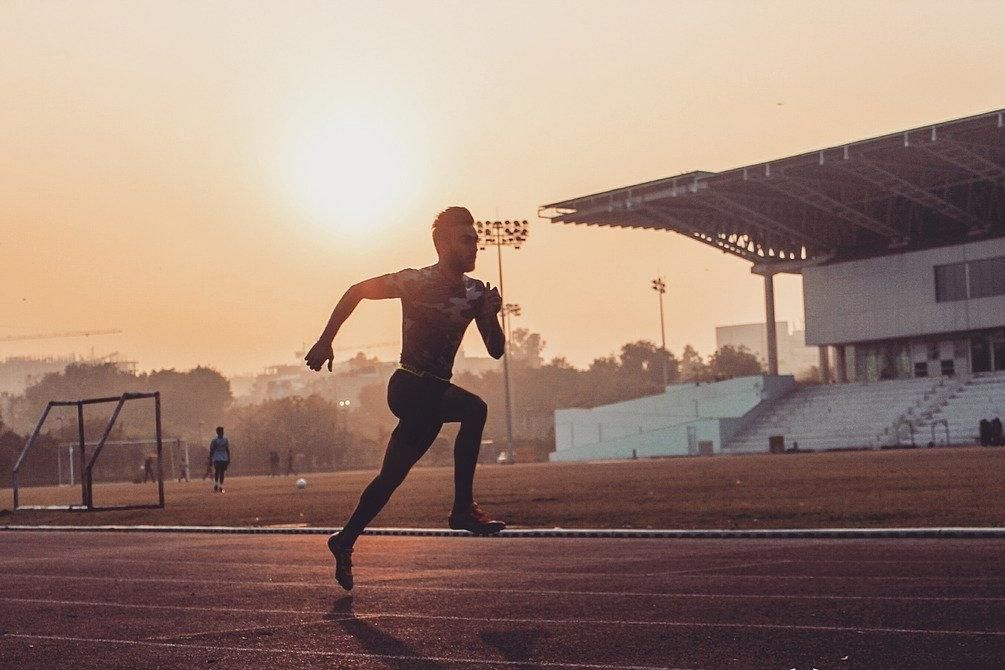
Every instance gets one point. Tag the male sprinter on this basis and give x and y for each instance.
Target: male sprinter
(437, 303)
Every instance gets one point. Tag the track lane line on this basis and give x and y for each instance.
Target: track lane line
(335, 654)
(526, 620)
(547, 592)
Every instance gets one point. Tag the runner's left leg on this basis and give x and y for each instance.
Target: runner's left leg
(471, 411)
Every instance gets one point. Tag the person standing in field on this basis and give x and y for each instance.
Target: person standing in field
(219, 456)
(438, 304)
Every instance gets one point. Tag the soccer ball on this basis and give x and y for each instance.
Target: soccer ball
(301, 484)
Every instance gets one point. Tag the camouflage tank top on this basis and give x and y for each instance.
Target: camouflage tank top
(435, 313)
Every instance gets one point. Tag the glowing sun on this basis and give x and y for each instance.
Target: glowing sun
(350, 174)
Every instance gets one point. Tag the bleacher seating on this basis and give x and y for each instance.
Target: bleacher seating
(975, 398)
(838, 416)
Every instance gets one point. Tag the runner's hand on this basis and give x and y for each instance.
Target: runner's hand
(318, 355)
(492, 302)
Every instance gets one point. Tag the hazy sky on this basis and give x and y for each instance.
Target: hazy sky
(209, 177)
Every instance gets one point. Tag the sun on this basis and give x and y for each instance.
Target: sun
(349, 173)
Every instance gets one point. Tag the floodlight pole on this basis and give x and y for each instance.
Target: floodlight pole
(660, 286)
(500, 234)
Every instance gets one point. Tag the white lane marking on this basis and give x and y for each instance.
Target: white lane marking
(525, 620)
(500, 589)
(335, 654)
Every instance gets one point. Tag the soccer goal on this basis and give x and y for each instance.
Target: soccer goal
(146, 455)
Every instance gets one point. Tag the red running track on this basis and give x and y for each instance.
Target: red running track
(137, 600)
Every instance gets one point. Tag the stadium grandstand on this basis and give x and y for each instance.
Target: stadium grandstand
(900, 242)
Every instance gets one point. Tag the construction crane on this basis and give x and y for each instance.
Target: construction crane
(53, 336)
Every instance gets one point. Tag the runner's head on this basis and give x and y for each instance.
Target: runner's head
(219, 431)
(456, 239)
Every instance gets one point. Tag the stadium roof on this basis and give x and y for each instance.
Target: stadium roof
(938, 184)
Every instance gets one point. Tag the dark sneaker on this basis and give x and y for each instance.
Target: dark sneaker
(343, 563)
(475, 520)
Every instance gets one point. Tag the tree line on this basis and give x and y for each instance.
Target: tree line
(319, 434)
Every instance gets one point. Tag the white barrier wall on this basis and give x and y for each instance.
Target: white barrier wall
(893, 297)
(669, 424)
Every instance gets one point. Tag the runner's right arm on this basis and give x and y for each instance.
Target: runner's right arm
(375, 288)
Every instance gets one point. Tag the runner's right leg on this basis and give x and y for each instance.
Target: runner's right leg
(398, 460)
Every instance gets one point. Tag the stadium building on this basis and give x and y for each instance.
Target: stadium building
(900, 242)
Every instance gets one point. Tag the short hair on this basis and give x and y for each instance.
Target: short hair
(448, 219)
(219, 429)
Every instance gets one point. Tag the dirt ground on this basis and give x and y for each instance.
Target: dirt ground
(908, 488)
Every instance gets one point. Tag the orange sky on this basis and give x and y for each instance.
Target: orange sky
(196, 176)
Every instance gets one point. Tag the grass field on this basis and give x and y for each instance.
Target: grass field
(939, 487)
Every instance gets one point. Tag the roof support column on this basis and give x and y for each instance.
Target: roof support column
(769, 321)
(840, 364)
(825, 364)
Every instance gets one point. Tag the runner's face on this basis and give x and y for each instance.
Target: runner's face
(464, 248)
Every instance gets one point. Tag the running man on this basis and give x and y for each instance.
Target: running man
(219, 455)
(438, 304)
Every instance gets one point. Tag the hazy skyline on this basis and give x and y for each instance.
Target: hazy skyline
(210, 178)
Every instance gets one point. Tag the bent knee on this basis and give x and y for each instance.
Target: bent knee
(479, 410)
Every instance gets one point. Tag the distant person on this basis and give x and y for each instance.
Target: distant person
(219, 455)
(291, 468)
(148, 469)
(438, 303)
(273, 463)
(183, 475)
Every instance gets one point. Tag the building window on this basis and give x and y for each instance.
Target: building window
(974, 279)
(987, 277)
(948, 367)
(980, 354)
(951, 282)
(921, 369)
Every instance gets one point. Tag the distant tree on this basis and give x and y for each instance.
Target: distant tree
(644, 359)
(524, 348)
(187, 398)
(692, 367)
(729, 361)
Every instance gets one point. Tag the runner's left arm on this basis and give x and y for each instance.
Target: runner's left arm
(488, 323)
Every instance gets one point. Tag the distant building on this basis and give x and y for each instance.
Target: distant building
(793, 354)
(475, 365)
(346, 381)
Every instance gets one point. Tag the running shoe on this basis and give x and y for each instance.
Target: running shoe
(475, 520)
(343, 563)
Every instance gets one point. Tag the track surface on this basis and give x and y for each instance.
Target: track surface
(105, 600)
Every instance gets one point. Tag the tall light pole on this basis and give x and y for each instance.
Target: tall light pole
(660, 287)
(508, 311)
(503, 234)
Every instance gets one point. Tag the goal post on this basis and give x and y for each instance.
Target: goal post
(87, 462)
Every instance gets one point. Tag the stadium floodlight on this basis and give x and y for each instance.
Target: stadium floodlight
(503, 234)
(660, 286)
(508, 311)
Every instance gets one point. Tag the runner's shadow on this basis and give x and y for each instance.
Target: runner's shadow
(515, 645)
(376, 641)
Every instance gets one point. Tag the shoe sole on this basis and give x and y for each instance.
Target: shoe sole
(493, 528)
(333, 550)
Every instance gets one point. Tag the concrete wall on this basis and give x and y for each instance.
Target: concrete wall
(668, 424)
(894, 297)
